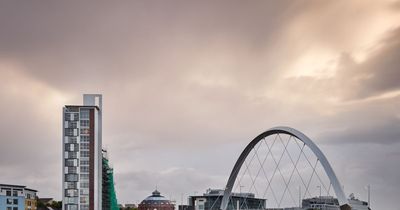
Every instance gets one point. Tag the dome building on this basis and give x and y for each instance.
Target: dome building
(156, 202)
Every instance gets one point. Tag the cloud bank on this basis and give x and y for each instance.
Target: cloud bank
(181, 80)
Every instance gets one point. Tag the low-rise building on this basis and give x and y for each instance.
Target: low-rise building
(30, 199)
(17, 197)
(211, 200)
(331, 203)
(156, 202)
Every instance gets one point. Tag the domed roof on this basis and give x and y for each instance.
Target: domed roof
(156, 199)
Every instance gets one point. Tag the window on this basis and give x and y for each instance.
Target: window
(72, 124)
(67, 116)
(71, 147)
(72, 155)
(84, 207)
(70, 162)
(84, 139)
(15, 201)
(15, 208)
(15, 193)
(28, 196)
(71, 207)
(9, 208)
(84, 168)
(72, 200)
(71, 140)
(84, 162)
(84, 200)
(84, 113)
(84, 123)
(72, 109)
(84, 184)
(71, 177)
(84, 177)
(71, 185)
(8, 193)
(71, 132)
(84, 191)
(71, 116)
(71, 193)
(9, 201)
(84, 153)
(84, 145)
(85, 131)
(72, 170)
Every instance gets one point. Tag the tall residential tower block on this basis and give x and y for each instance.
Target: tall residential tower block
(82, 154)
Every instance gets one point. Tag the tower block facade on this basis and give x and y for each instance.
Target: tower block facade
(82, 154)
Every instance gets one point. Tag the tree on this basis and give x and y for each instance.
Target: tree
(56, 205)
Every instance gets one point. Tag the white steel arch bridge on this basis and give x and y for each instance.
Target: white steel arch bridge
(306, 171)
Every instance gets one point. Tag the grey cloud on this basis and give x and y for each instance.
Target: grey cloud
(54, 40)
(190, 82)
(387, 132)
(378, 74)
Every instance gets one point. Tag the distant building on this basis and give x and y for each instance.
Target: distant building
(290, 208)
(211, 200)
(321, 202)
(185, 207)
(331, 203)
(357, 204)
(17, 197)
(156, 202)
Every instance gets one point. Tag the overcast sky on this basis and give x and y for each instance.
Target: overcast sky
(186, 85)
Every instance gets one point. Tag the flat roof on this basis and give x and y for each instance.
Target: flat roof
(82, 106)
(233, 196)
(31, 189)
(17, 186)
(12, 185)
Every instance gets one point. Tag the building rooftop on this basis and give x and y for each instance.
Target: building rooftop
(82, 106)
(12, 185)
(155, 199)
(220, 192)
(17, 186)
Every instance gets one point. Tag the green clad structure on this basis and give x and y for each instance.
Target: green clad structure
(109, 200)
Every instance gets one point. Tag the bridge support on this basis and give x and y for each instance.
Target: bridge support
(343, 202)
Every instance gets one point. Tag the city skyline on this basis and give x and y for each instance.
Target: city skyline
(181, 80)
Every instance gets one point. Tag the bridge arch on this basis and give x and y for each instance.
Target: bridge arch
(343, 202)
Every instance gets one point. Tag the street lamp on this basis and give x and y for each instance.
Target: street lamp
(240, 188)
(369, 195)
(319, 186)
(299, 196)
